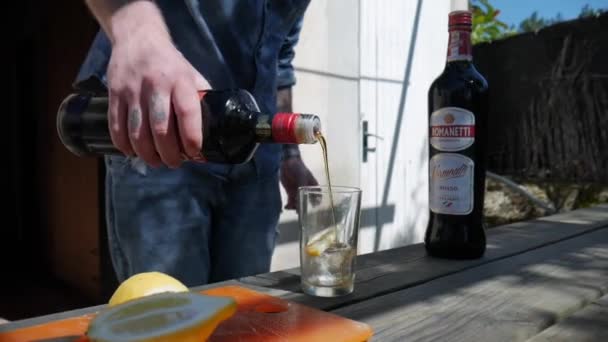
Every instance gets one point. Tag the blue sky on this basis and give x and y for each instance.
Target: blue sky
(514, 11)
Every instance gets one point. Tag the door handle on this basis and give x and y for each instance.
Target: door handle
(366, 136)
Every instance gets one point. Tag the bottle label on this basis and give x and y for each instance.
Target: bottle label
(263, 128)
(452, 129)
(284, 128)
(459, 46)
(451, 184)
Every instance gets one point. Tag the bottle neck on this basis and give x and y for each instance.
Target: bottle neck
(284, 128)
(460, 24)
(295, 128)
(459, 46)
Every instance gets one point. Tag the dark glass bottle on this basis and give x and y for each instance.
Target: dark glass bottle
(233, 126)
(458, 109)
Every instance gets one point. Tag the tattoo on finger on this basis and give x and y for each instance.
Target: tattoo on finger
(134, 119)
(157, 108)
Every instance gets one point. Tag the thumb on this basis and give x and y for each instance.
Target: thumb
(291, 202)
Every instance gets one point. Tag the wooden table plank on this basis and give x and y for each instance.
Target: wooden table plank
(392, 270)
(396, 269)
(589, 324)
(511, 299)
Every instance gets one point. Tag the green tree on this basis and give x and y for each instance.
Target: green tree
(534, 23)
(486, 25)
(588, 11)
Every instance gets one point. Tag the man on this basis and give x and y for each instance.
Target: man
(198, 222)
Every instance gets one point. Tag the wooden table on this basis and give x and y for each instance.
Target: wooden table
(540, 280)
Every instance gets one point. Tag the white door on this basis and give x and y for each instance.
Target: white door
(403, 46)
(365, 67)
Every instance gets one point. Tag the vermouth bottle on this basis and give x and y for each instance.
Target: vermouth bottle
(233, 126)
(458, 109)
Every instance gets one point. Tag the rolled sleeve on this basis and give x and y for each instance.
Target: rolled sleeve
(92, 74)
(285, 71)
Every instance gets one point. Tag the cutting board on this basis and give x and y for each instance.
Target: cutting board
(259, 317)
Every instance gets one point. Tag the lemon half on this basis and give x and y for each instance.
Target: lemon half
(145, 284)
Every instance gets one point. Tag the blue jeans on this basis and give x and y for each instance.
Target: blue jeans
(198, 223)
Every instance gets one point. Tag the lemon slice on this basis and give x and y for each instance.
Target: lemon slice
(145, 284)
(321, 241)
(171, 316)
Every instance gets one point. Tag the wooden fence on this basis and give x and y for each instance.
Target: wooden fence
(549, 102)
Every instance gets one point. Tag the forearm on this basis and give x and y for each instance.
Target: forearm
(121, 18)
(284, 104)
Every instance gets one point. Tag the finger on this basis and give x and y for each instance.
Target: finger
(140, 136)
(291, 199)
(117, 119)
(199, 81)
(187, 109)
(291, 204)
(163, 128)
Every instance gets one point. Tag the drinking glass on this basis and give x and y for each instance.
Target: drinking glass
(329, 227)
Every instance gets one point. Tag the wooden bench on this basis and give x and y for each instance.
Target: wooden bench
(544, 280)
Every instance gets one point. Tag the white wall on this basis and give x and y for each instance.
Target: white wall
(350, 62)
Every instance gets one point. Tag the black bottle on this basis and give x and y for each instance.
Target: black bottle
(233, 126)
(458, 109)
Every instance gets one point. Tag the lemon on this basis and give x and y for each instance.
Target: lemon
(169, 316)
(321, 241)
(145, 284)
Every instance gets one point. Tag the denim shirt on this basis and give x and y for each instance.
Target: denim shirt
(247, 44)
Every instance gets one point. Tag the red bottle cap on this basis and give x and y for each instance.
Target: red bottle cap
(461, 19)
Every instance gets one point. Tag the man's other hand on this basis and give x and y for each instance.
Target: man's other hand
(295, 174)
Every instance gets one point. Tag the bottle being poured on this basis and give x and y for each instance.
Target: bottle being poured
(233, 126)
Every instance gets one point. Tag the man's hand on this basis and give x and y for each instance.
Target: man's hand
(295, 174)
(153, 102)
